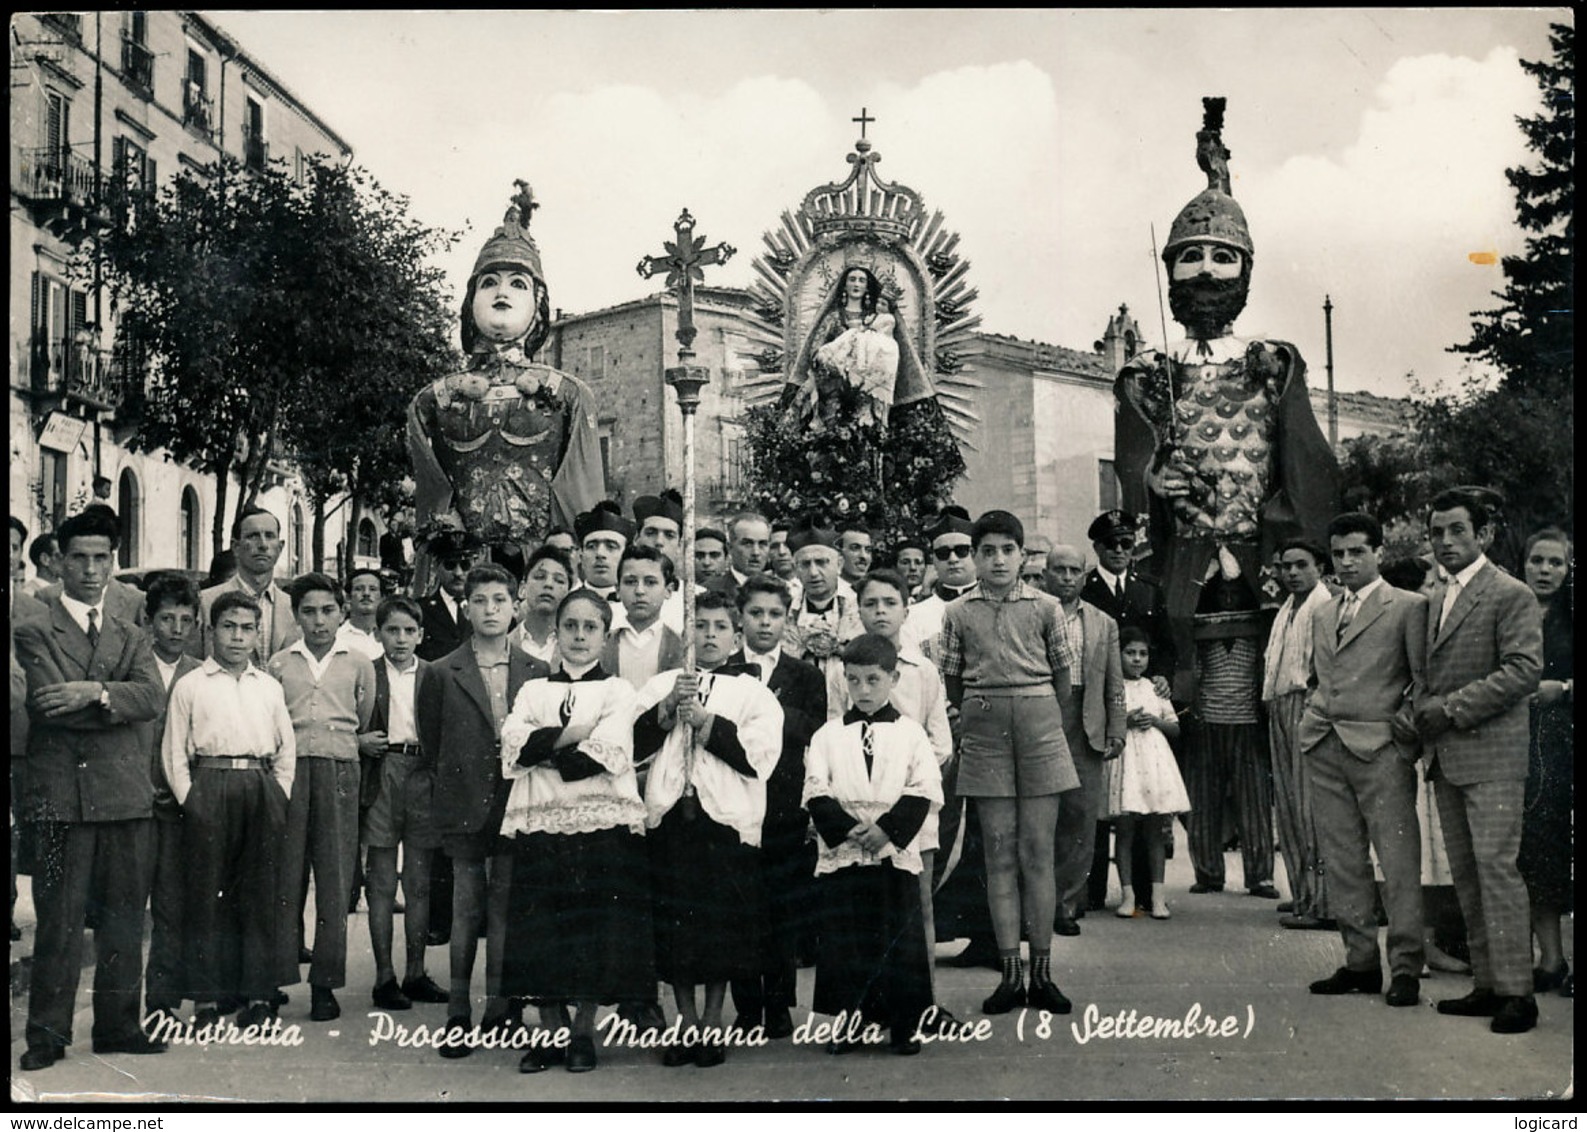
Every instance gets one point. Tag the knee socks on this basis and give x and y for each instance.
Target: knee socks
(1013, 967)
(1040, 967)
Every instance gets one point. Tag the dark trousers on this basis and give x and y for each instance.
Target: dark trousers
(787, 878)
(234, 822)
(164, 984)
(322, 834)
(1229, 760)
(1074, 839)
(104, 867)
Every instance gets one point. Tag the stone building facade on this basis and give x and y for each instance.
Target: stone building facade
(135, 96)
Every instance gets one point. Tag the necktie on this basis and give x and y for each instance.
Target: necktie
(1347, 613)
(867, 747)
(93, 628)
(1451, 595)
(1118, 590)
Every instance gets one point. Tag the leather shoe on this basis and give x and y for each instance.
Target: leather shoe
(1480, 1003)
(1005, 998)
(208, 1016)
(747, 1021)
(1203, 886)
(255, 1014)
(779, 1024)
(1285, 907)
(323, 1006)
(581, 1055)
(1404, 990)
(134, 1043)
(1265, 890)
(1517, 1014)
(838, 1049)
(388, 996)
(1544, 980)
(674, 1056)
(1080, 910)
(41, 1057)
(1046, 996)
(1065, 925)
(712, 1053)
(453, 1045)
(1307, 924)
(540, 1058)
(423, 989)
(1346, 981)
(906, 1047)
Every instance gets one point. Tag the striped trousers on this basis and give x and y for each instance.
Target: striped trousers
(1293, 808)
(1227, 762)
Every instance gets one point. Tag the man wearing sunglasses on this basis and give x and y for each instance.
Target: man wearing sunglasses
(952, 555)
(445, 627)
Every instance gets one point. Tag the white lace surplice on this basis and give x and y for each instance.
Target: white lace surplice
(541, 800)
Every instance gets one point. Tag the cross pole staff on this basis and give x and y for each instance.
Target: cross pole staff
(684, 257)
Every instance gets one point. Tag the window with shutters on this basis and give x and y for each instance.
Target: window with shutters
(594, 363)
(196, 111)
(57, 132)
(52, 477)
(129, 514)
(255, 152)
(137, 61)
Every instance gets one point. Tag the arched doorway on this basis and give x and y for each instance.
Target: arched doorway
(192, 524)
(297, 543)
(129, 503)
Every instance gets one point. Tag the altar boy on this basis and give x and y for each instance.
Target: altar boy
(870, 781)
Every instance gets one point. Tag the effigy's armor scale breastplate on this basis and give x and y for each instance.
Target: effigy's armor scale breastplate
(1223, 429)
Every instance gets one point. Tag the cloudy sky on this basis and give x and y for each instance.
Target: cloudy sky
(1369, 146)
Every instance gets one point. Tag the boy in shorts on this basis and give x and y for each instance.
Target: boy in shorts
(1005, 659)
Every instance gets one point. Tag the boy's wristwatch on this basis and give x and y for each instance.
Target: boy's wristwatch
(104, 697)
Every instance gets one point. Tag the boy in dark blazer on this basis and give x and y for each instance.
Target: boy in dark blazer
(459, 707)
(91, 681)
(787, 857)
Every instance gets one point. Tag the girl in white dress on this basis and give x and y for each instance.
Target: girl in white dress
(1144, 781)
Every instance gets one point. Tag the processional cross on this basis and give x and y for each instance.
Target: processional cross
(685, 258)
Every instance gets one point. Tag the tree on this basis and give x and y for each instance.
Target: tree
(277, 317)
(189, 277)
(379, 330)
(1516, 435)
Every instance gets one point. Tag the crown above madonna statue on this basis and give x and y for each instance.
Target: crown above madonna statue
(863, 203)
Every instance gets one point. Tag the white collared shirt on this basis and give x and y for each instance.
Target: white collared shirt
(1367, 590)
(167, 671)
(317, 666)
(399, 708)
(360, 641)
(78, 610)
(638, 653)
(451, 606)
(1455, 583)
(213, 712)
(1114, 582)
(767, 661)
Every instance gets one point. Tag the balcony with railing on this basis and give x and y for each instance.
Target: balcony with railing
(255, 150)
(198, 112)
(74, 368)
(137, 64)
(52, 176)
(68, 23)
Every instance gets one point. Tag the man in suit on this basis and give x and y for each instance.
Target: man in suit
(91, 680)
(121, 600)
(749, 546)
(712, 567)
(603, 535)
(1369, 646)
(1095, 733)
(787, 859)
(1286, 679)
(1484, 661)
(459, 706)
(1114, 587)
(445, 627)
(258, 548)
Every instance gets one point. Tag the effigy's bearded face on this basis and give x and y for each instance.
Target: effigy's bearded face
(504, 304)
(1207, 288)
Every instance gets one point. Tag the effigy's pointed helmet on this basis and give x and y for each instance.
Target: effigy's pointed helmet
(511, 246)
(1213, 216)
